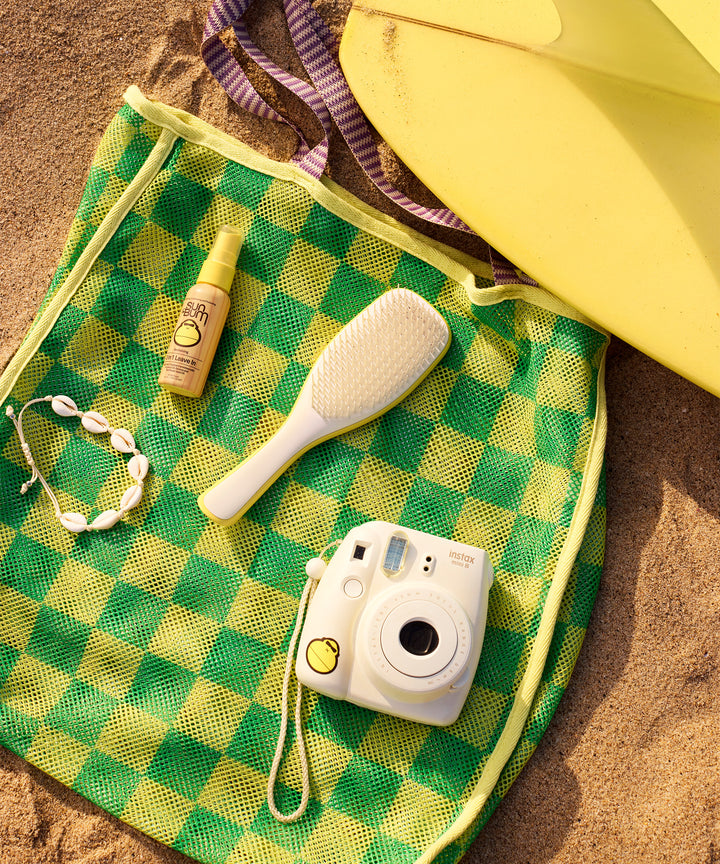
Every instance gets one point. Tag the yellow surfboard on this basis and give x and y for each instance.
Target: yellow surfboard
(581, 138)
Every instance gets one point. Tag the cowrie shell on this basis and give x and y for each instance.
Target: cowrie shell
(122, 440)
(105, 520)
(131, 498)
(138, 467)
(64, 406)
(95, 422)
(74, 522)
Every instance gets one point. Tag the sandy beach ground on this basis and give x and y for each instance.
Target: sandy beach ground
(629, 770)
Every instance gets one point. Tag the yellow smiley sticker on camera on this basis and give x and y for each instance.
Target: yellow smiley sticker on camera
(322, 655)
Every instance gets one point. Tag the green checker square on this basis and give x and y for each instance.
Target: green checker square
(40, 566)
(60, 379)
(528, 370)
(160, 687)
(384, 848)
(340, 722)
(276, 548)
(401, 439)
(288, 388)
(471, 407)
(227, 349)
(132, 615)
(432, 508)
(573, 337)
(96, 182)
(464, 331)
(134, 157)
(185, 272)
(181, 206)
(134, 375)
(207, 836)
(14, 509)
(175, 517)
(327, 231)
(237, 662)
(58, 640)
(347, 519)
(105, 551)
(418, 276)
(243, 185)
(83, 469)
(501, 478)
(17, 730)
(230, 419)
(281, 323)
(81, 712)
(118, 244)
(445, 764)
(330, 468)
(349, 293)
(107, 782)
(501, 653)
(163, 443)
(207, 588)
(65, 328)
(264, 509)
(557, 433)
(267, 826)
(255, 740)
(123, 302)
(183, 764)
(573, 491)
(359, 778)
(265, 250)
(529, 543)
(8, 658)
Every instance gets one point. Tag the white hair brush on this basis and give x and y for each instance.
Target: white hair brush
(368, 367)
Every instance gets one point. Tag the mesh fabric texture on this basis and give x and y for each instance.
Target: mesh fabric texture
(142, 666)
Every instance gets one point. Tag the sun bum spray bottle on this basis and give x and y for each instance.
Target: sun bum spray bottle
(200, 325)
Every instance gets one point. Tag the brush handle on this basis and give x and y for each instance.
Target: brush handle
(226, 502)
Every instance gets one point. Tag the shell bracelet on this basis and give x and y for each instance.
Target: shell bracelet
(121, 440)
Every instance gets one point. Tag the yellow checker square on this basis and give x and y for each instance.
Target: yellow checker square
(556, 547)
(374, 257)
(26, 386)
(234, 547)
(255, 370)
(197, 468)
(7, 535)
(491, 359)
(114, 188)
(379, 490)
(211, 714)
(534, 323)
(132, 736)
(184, 637)
(109, 664)
(41, 524)
(157, 811)
(583, 445)
(221, 211)
(319, 332)
(46, 440)
(330, 831)
(486, 526)
(246, 304)
(305, 516)
(268, 424)
(33, 687)
(393, 743)
(80, 591)
(17, 619)
(269, 690)
(454, 295)
(234, 791)
(92, 285)
(153, 565)
(514, 426)
(565, 381)
(253, 848)
(515, 602)
(262, 612)
(286, 205)
(450, 459)
(307, 272)
(572, 640)
(57, 754)
(418, 815)
(151, 193)
(362, 437)
(113, 144)
(121, 413)
(200, 164)
(481, 714)
(428, 400)
(93, 350)
(183, 413)
(152, 255)
(321, 751)
(156, 327)
(537, 503)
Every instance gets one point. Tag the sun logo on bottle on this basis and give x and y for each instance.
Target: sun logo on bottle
(187, 334)
(322, 655)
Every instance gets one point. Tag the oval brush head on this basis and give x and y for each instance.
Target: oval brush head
(368, 367)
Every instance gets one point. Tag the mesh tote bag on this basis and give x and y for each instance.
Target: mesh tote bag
(143, 665)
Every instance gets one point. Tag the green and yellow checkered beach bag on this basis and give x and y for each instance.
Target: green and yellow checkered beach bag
(142, 666)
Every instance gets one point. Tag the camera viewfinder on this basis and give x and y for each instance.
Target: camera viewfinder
(359, 551)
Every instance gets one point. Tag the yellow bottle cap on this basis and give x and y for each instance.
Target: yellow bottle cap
(219, 267)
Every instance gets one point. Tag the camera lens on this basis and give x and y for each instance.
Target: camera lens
(419, 638)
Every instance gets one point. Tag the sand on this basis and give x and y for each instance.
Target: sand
(629, 769)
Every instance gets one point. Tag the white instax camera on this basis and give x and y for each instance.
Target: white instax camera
(397, 623)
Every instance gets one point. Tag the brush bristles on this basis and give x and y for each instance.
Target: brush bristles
(377, 358)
